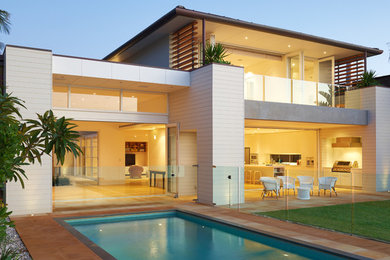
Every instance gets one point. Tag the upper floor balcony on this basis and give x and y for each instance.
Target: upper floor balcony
(293, 91)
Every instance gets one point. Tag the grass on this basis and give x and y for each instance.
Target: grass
(368, 219)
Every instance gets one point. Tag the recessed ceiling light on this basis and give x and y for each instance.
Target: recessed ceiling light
(289, 46)
(324, 52)
(242, 65)
(246, 37)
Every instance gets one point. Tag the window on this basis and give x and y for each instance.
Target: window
(60, 96)
(144, 102)
(93, 98)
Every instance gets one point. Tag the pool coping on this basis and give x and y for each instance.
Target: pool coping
(105, 255)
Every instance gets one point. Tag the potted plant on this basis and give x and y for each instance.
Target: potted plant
(215, 53)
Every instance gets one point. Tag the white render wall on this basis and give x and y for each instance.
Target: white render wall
(214, 107)
(382, 138)
(228, 134)
(376, 135)
(192, 108)
(29, 77)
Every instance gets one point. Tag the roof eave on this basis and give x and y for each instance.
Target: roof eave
(248, 25)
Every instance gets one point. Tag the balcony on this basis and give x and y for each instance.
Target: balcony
(284, 90)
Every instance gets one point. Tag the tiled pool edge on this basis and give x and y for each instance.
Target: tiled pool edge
(105, 255)
(85, 240)
(280, 237)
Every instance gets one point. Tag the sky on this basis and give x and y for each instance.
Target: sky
(94, 28)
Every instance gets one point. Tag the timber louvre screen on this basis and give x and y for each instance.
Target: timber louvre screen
(348, 71)
(184, 48)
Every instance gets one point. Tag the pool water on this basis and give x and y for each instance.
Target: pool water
(177, 235)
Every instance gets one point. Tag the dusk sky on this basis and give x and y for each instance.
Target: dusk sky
(94, 28)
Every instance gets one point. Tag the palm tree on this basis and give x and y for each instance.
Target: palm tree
(5, 23)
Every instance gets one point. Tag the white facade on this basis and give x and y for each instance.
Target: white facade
(207, 103)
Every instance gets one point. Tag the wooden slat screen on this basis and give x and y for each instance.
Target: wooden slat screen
(348, 71)
(184, 47)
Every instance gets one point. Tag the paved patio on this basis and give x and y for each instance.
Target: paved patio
(46, 239)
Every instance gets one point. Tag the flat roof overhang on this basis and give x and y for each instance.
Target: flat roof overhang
(304, 116)
(180, 16)
(97, 73)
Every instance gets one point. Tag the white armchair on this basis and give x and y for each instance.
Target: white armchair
(306, 182)
(270, 185)
(327, 183)
(288, 183)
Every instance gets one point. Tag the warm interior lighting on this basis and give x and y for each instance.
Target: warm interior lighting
(246, 37)
(154, 137)
(324, 52)
(289, 46)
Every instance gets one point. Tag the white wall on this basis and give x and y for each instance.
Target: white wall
(228, 134)
(192, 109)
(214, 107)
(29, 77)
(119, 71)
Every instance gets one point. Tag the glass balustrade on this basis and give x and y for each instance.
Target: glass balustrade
(284, 90)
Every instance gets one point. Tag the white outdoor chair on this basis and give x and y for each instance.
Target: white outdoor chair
(288, 183)
(327, 183)
(306, 182)
(270, 185)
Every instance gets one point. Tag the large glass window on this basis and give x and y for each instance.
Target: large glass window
(60, 96)
(144, 102)
(93, 98)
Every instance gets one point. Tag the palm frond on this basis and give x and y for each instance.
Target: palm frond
(5, 22)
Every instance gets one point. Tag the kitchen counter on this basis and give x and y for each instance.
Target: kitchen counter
(354, 178)
(290, 170)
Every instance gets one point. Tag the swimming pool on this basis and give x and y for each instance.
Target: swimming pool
(179, 235)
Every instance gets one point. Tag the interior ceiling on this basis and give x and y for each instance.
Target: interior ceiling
(267, 130)
(140, 127)
(250, 123)
(273, 43)
(59, 79)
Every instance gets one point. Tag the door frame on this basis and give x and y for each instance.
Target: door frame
(177, 126)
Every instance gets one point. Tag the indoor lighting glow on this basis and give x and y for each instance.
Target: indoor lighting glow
(154, 137)
(94, 93)
(100, 230)
(159, 224)
(289, 46)
(324, 52)
(293, 64)
(246, 37)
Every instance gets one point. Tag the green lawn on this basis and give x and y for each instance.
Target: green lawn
(369, 219)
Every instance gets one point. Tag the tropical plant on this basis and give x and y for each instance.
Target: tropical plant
(367, 79)
(215, 53)
(5, 22)
(328, 97)
(25, 141)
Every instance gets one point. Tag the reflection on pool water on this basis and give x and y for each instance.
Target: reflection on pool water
(177, 235)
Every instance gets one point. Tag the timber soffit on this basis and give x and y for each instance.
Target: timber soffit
(182, 11)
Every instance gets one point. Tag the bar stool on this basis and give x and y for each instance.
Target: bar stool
(256, 177)
(248, 176)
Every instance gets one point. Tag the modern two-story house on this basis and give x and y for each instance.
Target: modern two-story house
(154, 121)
